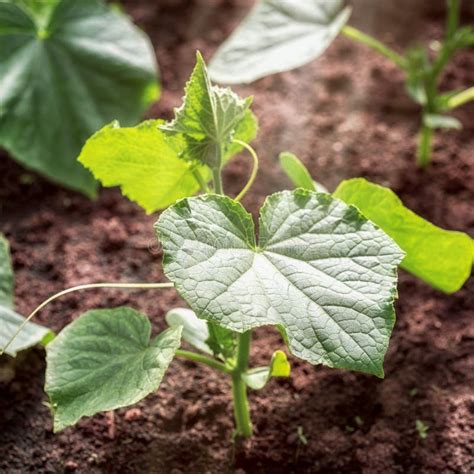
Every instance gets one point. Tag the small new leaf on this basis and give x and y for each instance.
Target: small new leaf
(321, 271)
(439, 257)
(296, 171)
(105, 360)
(208, 117)
(441, 121)
(257, 378)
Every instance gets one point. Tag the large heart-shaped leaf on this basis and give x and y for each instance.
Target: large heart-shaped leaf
(320, 270)
(278, 35)
(63, 80)
(105, 360)
(442, 258)
(10, 321)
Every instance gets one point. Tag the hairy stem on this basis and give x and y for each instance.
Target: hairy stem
(375, 44)
(127, 286)
(239, 389)
(253, 175)
(209, 361)
(217, 178)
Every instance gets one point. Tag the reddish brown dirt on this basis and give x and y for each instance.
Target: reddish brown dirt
(345, 115)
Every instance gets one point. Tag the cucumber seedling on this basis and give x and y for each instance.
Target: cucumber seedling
(279, 35)
(320, 271)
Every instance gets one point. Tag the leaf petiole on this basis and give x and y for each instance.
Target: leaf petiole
(203, 359)
(128, 286)
(253, 175)
(375, 44)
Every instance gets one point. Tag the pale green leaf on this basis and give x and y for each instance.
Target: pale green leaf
(296, 171)
(195, 331)
(31, 335)
(208, 117)
(105, 360)
(321, 271)
(440, 257)
(278, 35)
(62, 80)
(151, 168)
(143, 161)
(441, 121)
(279, 367)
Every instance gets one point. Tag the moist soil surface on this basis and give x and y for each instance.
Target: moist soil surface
(345, 115)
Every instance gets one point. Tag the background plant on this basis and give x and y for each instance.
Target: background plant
(320, 272)
(279, 35)
(67, 68)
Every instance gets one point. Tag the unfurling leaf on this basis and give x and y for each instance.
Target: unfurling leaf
(279, 367)
(439, 257)
(66, 71)
(208, 117)
(278, 35)
(105, 360)
(320, 270)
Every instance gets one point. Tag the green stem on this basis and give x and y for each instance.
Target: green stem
(375, 44)
(127, 286)
(423, 153)
(239, 389)
(209, 361)
(461, 98)
(453, 17)
(217, 178)
(253, 175)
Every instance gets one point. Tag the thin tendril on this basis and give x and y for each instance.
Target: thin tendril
(129, 286)
(253, 175)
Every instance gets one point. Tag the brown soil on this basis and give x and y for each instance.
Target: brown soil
(345, 115)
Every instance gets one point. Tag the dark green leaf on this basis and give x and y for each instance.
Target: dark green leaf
(439, 257)
(321, 270)
(278, 35)
(62, 81)
(105, 360)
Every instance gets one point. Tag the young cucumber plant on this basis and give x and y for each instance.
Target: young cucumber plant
(319, 271)
(279, 35)
(67, 68)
